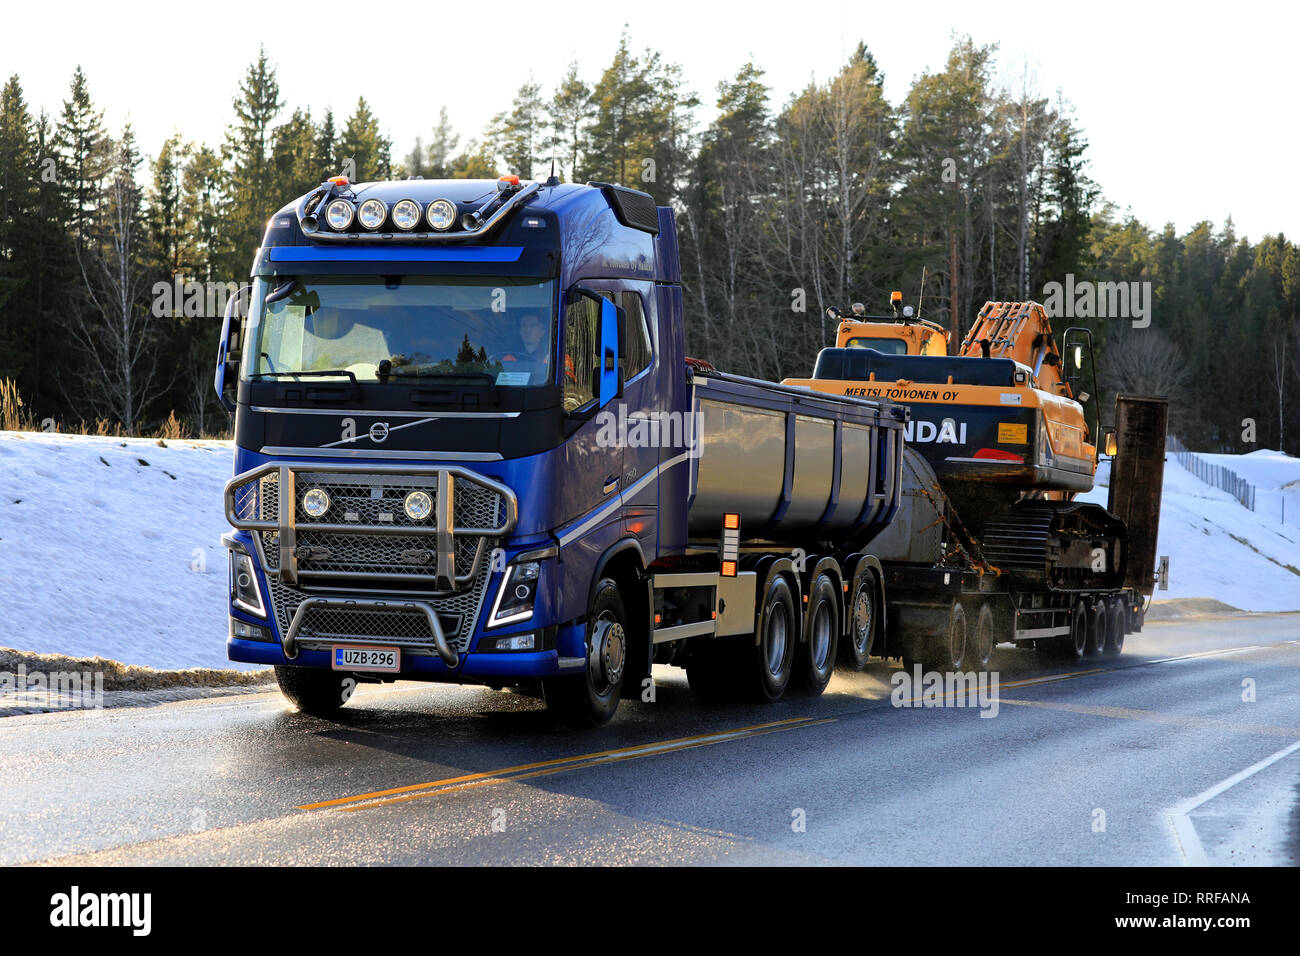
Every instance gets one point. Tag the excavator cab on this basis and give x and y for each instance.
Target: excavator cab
(1079, 372)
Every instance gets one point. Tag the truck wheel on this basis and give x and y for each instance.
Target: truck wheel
(982, 648)
(1073, 647)
(1097, 621)
(948, 650)
(855, 651)
(589, 699)
(315, 691)
(1116, 616)
(816, 655)
(773, 651)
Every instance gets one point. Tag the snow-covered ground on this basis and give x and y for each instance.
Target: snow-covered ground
(103, 555)
(1276, 478)
(1219, 549)
(111, 547)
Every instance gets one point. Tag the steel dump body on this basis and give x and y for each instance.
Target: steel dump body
(798, 465)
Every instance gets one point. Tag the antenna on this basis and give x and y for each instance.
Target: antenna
(921, 297)
(554, 180)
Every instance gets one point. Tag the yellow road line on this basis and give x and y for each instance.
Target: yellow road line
(613, 757)
(661, 746)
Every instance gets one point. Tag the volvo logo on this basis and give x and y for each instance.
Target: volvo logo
(379, 432)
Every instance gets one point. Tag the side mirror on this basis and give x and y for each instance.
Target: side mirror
(611, 348)
(1109, 442)
(226, 379)
(605, 360)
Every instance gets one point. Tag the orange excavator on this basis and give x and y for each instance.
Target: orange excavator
(1009, 431)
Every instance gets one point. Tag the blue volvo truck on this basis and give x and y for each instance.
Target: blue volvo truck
(470, 447)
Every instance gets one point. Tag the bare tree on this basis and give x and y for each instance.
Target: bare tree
(1147, 362)
(116, 334)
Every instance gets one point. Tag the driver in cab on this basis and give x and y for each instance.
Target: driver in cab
(534, 355)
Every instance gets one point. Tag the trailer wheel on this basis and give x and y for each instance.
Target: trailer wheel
(1116, 618)
(1097, 629)
(816, 655)
(1074, 646)
(982, 649)
(591, 698)
(855, 652)
(314, 691)
(946, 651)
(774, 646)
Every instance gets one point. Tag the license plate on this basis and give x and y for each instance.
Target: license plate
(353, 658)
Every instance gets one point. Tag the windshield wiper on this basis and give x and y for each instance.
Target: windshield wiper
(279, 293)
(331, 371)
(356, 387)
(417, 373)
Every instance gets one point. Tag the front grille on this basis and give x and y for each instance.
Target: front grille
(372, 502)
(458, 615)
(366, 548)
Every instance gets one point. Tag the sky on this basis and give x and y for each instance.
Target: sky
(1190, 108)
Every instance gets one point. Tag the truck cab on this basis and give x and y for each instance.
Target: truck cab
(417, 381)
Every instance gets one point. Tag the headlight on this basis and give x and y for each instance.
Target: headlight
(518, 591)
(244, 591)
(441, 214)
(418, 505)
(339, 214)
(371, 214)
(316, 502)
(406, 214)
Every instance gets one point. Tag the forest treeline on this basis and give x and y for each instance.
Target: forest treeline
(968, 189)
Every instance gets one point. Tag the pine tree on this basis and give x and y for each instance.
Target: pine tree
(325, 161)
(293, 157)
(362, 148)
(619, 142)
(250, 197)
(82, 156)
(518, 137)
(571, 111)
(18, 200)
(441, 147)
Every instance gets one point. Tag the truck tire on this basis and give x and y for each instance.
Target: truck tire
(772, 650)
(1098, 619)
(1117, 617)
(946, 651)
(981, 651)
(863, 612)
(590, 699)
(315, 691)
(815, 656)
(1075, 645)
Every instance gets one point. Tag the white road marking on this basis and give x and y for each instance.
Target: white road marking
(1180, 815)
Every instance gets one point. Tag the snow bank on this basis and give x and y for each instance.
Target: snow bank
(1276, 478)
(1219, 549)
(111, 547)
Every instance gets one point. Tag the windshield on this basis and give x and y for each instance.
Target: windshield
(396, 328)
(888, 346)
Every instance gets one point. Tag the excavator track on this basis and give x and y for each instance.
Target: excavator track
(1058, 545)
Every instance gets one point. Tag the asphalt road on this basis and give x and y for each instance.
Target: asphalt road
(1153, 758)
